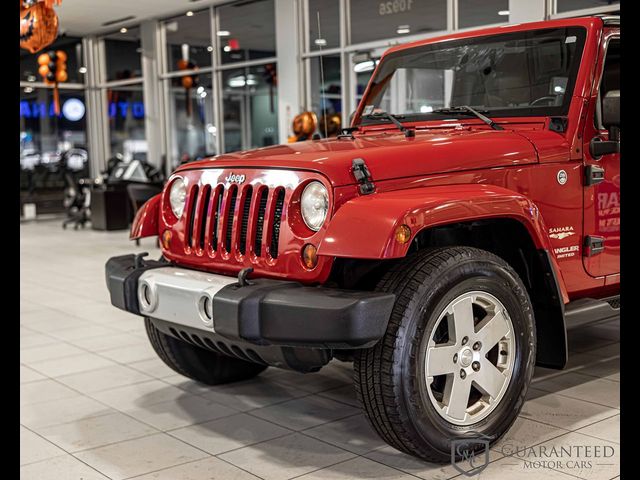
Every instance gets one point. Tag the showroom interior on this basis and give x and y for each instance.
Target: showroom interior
(160, 83)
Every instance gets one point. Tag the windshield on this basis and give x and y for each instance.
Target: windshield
(514, 74)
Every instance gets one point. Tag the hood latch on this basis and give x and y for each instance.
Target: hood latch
(362, 176)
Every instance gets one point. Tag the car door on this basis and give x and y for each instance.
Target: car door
(602, 175)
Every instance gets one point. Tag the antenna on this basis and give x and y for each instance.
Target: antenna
(322, 89)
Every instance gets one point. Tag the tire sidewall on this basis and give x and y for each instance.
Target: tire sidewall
(421, 318)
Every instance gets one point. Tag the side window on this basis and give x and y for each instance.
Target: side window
(610, 76)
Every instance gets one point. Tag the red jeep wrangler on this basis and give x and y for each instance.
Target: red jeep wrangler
(443, 243)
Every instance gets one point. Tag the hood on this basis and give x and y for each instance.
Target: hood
(388, 154)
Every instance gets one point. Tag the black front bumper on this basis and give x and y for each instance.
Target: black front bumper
(273, 312)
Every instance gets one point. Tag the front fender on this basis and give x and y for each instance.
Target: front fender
(145, 223)
(364, 227)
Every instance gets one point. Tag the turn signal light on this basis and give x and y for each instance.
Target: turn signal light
(310, 256)
(403, 234)
(166, 239)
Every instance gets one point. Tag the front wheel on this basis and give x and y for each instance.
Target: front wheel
(458, 354)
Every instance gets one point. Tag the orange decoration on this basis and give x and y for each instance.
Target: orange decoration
(304, 125)
(43, 59)
(187, 82)
(38, 25)
(61, 76)
(62, 56)
(331, 123)
(43, 70)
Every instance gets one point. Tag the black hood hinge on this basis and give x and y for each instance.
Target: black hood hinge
(362, 176)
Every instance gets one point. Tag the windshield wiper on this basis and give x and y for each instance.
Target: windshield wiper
(464, 109)
(408, 132)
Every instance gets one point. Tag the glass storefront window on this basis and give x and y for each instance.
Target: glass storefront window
(378, 19)
(250, 107)
(72, 46)
(125, 108)
(569, 5)
(193, 127)
(247, 31)
(44, 137)
(329, 34)
(472, 13)
(189, 38)
(326, 100)
(123, 54)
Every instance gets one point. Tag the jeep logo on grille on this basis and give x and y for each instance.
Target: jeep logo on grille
(234, 178)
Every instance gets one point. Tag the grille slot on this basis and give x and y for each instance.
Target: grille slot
(203, 215)
(230, 216)
(244, 225)
(192, 214)
(217, 210)
(262, 209)
(277, 216)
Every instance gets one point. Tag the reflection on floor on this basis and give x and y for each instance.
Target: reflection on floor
(96, 403)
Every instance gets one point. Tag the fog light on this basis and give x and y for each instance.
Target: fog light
(403, 234)
(310, 256)
(166, 239)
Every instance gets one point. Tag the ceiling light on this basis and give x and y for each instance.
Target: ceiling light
(209, 48)
(503, 12)
(227, 48)
(224, 33)
(82, 70)
(189, 13)
(238, 81)
(123, 30)
(31, 78)
(366, 66)
(320, 42)
(28, 89)
(403, 29)
(426, 109)
(200, 89)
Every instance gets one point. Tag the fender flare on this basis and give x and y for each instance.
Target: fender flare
(146, 220)
(364, 227)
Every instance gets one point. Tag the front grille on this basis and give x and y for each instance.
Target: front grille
(223, 218)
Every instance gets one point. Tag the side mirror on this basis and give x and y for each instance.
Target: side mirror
(611, 121)
(611, 109)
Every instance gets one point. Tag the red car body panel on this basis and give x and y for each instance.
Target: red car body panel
(451, 171)
(145, 222)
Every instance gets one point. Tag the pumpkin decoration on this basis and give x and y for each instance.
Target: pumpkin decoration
(304, 125)
(330, 124)
(38, 24)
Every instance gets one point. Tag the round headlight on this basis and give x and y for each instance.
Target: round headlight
(177, 197)
(314, 205)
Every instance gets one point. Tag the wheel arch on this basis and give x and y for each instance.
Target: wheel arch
(492, 218)
(145, 222)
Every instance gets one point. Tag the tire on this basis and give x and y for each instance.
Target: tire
(197, 363)
(391, 377)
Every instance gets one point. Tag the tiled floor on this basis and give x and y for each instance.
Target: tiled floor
(96, 403)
